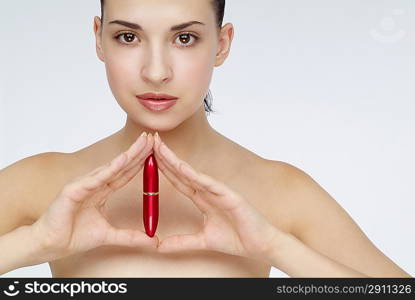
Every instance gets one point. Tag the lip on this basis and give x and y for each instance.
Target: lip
(154, 96)
(157, 105)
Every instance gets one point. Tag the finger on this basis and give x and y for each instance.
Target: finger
(139, 156)
(180, 183)
(167, 166)
(84, 186)
(129, 173)
(173, 163)
(181, 168)
(203, 180)
(135, 152)
(129, 238)
(225, 198)
(176, 182)
(182, 242)
(186, 189)
(137, 147)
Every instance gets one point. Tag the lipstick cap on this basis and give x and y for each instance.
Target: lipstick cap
(150, 175)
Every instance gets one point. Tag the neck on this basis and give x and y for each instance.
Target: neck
(190, 140)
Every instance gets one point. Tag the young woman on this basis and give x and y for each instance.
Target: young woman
(224, 211)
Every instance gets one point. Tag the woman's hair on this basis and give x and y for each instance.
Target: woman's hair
(219, 9)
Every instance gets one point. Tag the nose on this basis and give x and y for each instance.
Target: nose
(156, 68)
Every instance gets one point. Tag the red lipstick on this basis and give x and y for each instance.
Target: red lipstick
(150, 195)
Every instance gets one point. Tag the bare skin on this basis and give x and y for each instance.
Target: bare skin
(178, 215)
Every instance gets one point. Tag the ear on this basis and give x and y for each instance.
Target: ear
(225, 41)
(98, 37)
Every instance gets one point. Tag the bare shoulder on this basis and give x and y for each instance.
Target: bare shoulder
(319, 221)
(23, 186)
(282, 182)
(293, 185)
(312, 204)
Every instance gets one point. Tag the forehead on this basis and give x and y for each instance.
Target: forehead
(160, 11)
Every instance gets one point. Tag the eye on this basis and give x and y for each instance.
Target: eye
(184, 38)
(127, 35)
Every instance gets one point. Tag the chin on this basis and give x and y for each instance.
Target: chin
(160, 124)
(168, 120)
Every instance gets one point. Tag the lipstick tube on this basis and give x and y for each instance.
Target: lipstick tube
(150, 195)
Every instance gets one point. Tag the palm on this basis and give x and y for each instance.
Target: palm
(238, 231)
(89, 229)
(219, 235)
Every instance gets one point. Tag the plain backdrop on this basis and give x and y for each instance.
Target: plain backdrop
(327, 86)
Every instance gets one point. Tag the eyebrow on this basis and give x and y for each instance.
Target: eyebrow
(138, 27)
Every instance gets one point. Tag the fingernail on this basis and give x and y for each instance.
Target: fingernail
(157, 135)
(143, 134)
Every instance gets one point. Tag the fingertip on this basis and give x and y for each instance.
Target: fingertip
(156, 139)
(142, 137)
(156, 240)
(161, 248)
(152, 242)
(151, 137)
(163, 149)
(157, 146)
(157, 152)
(150, 141)
(138, 145)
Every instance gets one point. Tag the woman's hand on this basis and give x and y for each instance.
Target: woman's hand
(231, 224)
(75, 220)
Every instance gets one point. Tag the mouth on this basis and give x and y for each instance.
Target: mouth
(156, 97)
(157, 105)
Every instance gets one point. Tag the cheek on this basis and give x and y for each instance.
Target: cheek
(194, 71)
(121, 73)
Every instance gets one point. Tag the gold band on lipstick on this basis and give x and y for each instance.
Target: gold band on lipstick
(150, 194)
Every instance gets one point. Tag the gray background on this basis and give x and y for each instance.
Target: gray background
(324, 85)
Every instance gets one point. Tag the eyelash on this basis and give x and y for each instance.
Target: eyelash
(184, 33)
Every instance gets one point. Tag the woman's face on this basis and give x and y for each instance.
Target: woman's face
(155, 59)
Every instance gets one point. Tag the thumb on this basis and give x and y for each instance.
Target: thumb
(182, 242)
(130, 238)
